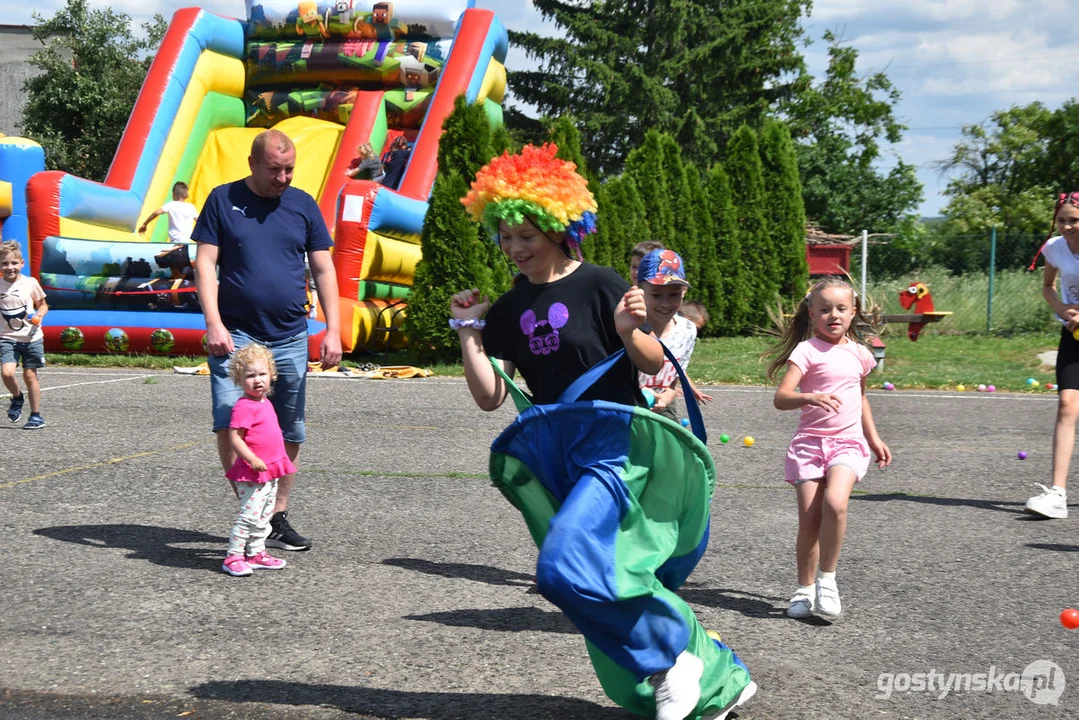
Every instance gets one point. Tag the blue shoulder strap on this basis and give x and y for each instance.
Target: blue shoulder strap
(594, 373)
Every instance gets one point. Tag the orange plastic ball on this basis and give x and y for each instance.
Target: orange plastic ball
(1070, 618)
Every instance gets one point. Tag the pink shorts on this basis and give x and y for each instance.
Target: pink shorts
(810, 456)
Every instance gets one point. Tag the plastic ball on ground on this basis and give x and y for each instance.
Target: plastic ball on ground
(1050, 386)
(1070, 618)
(748, 441)
(990, 388)
(1035, 384)
(1021, 455)
(1031, 381)
(724, 438)
(960, 388)
(981, 388)
(889, 386)
(685, 422)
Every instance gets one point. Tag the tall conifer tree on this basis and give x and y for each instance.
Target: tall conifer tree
(743, 165)
(785, 207)
(684, 231)
(733, 309)
(647, 166)
(624, 68)
(709, 287)
(456, 252)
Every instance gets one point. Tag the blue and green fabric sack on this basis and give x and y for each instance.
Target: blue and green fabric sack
(618, 500)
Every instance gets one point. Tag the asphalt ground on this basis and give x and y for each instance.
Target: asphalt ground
(415, 601)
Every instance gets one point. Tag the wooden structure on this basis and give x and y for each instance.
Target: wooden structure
(827, 253)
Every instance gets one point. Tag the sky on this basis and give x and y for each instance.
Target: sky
(953, 61)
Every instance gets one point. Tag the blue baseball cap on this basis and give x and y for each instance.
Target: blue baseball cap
(662, 267)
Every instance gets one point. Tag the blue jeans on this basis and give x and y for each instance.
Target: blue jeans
(32, 353)
(289, 391)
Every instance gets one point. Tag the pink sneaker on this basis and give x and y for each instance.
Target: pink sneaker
(263, 561)
(236, 566)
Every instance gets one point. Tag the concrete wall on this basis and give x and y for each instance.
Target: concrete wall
(16, 44)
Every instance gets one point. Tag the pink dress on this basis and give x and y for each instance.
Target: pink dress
(265, 440)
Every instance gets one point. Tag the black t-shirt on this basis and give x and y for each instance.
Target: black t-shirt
(552, 333)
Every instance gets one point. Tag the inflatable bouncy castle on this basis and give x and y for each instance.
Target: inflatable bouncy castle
(331, 76)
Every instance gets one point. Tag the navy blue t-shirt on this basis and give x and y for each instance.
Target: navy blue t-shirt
(261, 245)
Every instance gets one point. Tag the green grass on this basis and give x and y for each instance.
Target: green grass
(934, 361)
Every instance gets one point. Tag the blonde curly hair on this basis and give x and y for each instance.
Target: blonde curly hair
(247, 356)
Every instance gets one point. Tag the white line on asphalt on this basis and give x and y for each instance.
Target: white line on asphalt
(92, 382)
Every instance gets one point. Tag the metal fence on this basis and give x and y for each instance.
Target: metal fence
(981, 280)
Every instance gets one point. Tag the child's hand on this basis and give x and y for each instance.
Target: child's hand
(702, 397)
(630, 314)
(257, 464)
(881, 451)
(469, 304)
(825, 401)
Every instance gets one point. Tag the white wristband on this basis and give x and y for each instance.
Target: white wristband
(478, 323)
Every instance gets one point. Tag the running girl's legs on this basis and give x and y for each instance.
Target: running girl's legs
(1064, 436)
(833, 515)
(810, 498)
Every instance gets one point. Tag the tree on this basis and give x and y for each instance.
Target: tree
(457, 253)
(709, 286)
(1060, 167)
(624, 68)
(684, 231)
(783, 197)
(731, 308)
(760, 261)
(999, 183)
(92, 67)
(622, 222)
(838, 126)
(647, 166)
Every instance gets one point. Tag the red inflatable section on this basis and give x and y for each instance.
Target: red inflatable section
(467, 46)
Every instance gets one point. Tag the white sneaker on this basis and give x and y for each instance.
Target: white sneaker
(1052, 503)
(747, 692)
(828, 603)
(801, 605)
(678, 689)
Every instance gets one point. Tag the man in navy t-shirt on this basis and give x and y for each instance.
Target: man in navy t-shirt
(254, 233)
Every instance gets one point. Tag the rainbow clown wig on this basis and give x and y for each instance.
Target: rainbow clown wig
(537, 185)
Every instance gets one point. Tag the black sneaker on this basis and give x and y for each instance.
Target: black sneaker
(14, 410)
(283, 537)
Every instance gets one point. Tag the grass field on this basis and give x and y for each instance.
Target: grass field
(934, 361)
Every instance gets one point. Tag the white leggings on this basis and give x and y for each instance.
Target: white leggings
(248, 536)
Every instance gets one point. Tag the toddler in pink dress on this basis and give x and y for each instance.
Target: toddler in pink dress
(256, 438)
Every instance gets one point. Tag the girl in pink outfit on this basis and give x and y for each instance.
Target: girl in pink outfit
(827, 362)
(256, 439)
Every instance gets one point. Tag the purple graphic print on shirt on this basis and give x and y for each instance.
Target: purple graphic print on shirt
(543, 334)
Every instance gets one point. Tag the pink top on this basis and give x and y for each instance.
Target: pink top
(837, 370)
(263, 437)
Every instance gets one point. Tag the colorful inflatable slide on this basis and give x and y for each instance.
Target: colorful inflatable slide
(331, 75)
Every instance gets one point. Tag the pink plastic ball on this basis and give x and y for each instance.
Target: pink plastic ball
(991, 388)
